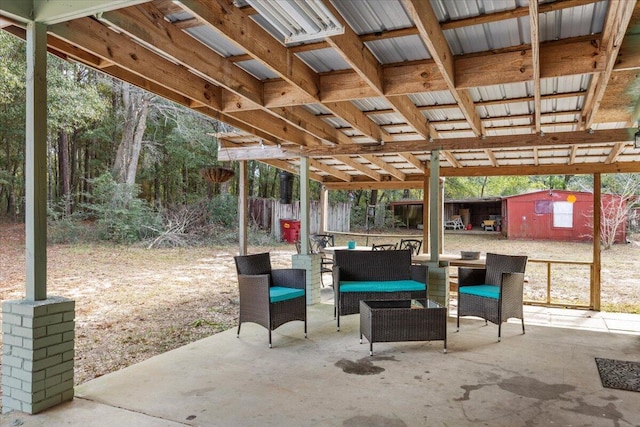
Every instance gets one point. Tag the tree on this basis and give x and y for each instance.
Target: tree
(620, 199)
(135, 104)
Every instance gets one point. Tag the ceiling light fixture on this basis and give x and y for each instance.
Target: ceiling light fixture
(298, 20)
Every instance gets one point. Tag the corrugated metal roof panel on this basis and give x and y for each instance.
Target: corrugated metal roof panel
(505, 110)
(387, 118)
(317, 109)
(257, 69)
(324, 60)
(459, 134)
(575, 83)
(514, 131)
(442, 97)
(572, 22)
(398, 49)
(215, 41)
(444, 114)
(447, 10)
(559, 128)
(451, 126)
(507, 122)
(573, 103)
(337, 122)
(372, 16)
(179, 16)
(505, 91)
(371, 104)
(561, 118)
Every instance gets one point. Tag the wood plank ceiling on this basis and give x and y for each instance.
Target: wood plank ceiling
(500, 88)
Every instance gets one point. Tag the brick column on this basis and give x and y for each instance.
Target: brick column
(311, 263)
(38, 354)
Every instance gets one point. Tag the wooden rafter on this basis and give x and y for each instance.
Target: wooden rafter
(535, 61)
(618, 17)
(433, 37)
(385, 166)
(347, 160)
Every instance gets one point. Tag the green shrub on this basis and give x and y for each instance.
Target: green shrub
(121, 217)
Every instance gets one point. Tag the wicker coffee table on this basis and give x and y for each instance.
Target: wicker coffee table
(395, 320)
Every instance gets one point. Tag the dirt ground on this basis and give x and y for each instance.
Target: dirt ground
(133, 303)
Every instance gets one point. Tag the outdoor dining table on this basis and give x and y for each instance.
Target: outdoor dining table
(332, 249)
(454, 260)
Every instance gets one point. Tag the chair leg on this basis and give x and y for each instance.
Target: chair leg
(458, 321)
(270, 338)
(305, 327)
(238, 335)
(338, 319)
(499, 331)
(522, 325)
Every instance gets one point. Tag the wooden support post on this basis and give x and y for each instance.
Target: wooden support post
(243, 207)
(304, 205)
(36, 163)
(426, 212)
(324, 206)
(597, 234)
(434, 208)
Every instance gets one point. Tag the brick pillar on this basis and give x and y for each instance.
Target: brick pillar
(38, 357)
(311, 263)
(439, 282)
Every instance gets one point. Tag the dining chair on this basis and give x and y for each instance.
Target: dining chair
(318, 243)
(413, 244)
(384, 247)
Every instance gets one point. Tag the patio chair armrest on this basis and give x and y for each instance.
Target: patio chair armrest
(254, 289)
(468, 276)
(512, 285)
(290, 278)
(420, 273)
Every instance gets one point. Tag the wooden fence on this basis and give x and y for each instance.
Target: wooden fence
(267, 213)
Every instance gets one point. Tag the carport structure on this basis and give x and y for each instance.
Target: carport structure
(378, 94)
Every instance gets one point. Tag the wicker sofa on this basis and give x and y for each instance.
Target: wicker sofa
(375, 275)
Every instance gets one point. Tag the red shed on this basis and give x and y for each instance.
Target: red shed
(558, 215)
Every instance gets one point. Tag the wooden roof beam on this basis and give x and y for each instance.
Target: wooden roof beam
(409, 157)
(615, 25)
(451, 159)
(117, 48)
(354, 52)
(492, 157)
(224, 17)
(535, 61)
(427, 23)
(347, 160)
(282, 165)
(330, 170)
(398, 174)
(504, 141)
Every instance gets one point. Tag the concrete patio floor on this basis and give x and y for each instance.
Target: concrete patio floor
(547, 376)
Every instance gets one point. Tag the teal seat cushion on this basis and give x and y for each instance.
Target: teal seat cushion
(382, 286)
(487, 291)
(280, 293)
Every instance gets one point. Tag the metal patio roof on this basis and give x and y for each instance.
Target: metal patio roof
(506, 87)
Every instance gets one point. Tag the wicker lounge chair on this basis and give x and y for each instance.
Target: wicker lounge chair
(493, 293)
(270, 297)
